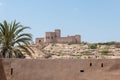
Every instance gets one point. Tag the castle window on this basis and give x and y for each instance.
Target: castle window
(47, 37)
(81, 70)
(11, 71)
(52, 37)
(90, 64)
(101, 64)
(39, 41)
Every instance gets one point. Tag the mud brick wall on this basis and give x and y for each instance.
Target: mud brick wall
(62, 69)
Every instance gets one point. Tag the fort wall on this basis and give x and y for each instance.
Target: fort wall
(55, 37)
(62, 69)
(58, 33)
(50, 37)
(39, 40)
(70, 39)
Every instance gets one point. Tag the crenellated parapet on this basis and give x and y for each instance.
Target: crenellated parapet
(55, 37)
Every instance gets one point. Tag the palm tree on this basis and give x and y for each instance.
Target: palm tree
(13, 41)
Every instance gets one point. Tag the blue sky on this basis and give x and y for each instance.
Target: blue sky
(94, 20)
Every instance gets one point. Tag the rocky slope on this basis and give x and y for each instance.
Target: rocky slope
(75, 51)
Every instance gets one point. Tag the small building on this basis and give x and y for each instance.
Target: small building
(55, 37)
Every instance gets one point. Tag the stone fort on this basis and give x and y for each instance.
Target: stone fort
(55, 37)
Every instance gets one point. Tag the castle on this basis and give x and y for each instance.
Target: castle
(55, 37)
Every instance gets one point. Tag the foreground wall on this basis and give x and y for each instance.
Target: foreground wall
(36, 69)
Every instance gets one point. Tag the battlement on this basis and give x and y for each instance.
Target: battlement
(55, 37)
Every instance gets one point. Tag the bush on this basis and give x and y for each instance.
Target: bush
(70, 43)
(93, 46)
(84, 43)
(53, 44)
(105, 52)
(107, 43)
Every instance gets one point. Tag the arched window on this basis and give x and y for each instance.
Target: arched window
(11, 71)
(101, 64)
(52, 37)
(39, 41)
(90, 64)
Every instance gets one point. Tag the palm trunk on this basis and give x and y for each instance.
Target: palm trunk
(10, 55)
(2, 72)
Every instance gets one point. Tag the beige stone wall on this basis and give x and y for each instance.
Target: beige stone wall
(63, 69)
(39, 40)
(50, 37)
(55, 37)
(78, 38)
(58, 33)
(66, 40)
(69, 39)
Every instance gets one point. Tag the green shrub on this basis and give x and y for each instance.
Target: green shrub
(53, 44)
(93, 46)
(70, 43)
(105, 52)
(107, 43)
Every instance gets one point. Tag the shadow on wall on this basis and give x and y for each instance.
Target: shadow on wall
(2, 72)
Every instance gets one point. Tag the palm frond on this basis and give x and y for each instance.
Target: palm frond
(12, 35)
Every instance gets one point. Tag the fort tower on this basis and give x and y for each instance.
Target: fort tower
(57, 33)
(55, 37)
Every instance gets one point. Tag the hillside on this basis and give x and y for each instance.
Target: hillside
(76, 51)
